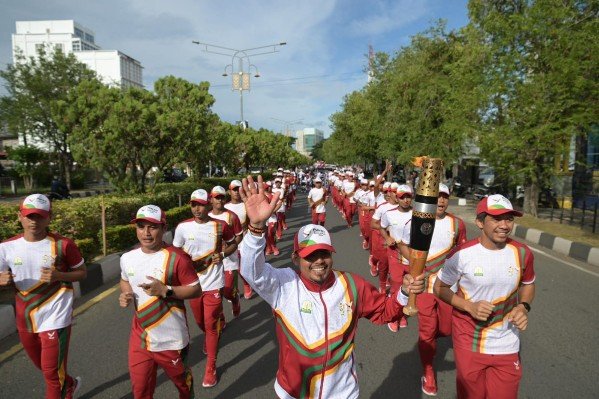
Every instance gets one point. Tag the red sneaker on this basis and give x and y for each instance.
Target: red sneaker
(276, 251)
(393, 326)
(236, 305)
(429, 384)
(210, 377)
(248, 293)
(403, 322)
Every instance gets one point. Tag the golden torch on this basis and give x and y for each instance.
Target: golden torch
(424, 211)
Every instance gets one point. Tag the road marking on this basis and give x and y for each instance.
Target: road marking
(16, 348)
(564, 262)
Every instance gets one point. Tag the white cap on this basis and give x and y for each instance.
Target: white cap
(310, 238)
(363, 181)
(277, 180)
(217, 190)
(317, 180)
(386, 186)
(200, 196)
(150, 213)
(234, 183)
(35, 203)
(394, 186)
(404, 189)
(372, 183)
(443, 189)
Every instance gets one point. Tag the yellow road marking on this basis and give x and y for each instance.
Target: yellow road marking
(16, 348)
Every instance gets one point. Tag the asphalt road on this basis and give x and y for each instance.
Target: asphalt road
(559, 350)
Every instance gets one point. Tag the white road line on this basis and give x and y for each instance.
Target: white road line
(564, 262)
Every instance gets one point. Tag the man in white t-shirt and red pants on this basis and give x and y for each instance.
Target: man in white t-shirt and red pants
(495, 287)
(42, 267)
(349, 203)
(434, 315)
(238, 207)
(156, 278)
(317, 199)
(203, 238)
(218, 196)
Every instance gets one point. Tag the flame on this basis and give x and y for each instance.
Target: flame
(418, 161)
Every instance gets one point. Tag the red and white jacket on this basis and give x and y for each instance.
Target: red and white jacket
(315, 324)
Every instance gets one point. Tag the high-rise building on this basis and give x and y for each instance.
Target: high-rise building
(113, 67)
(306, 139)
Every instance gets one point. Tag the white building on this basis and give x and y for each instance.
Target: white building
(113, 67)
(306, 139)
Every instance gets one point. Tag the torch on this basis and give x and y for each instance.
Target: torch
(423, 220)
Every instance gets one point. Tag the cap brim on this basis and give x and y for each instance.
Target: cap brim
(443, 193)
(499, 212)
(151, 220)
(31, 211)
(198, 201)
(311, 248)
(401, 195)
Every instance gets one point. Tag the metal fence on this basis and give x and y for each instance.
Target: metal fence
(582, 213)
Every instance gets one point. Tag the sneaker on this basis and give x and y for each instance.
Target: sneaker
(76, 387)
(276, 251)
(393, 326)
(429, 385)
(403, 322)
(236, 305)
(268, 252)
(248, 293)
(364, 244)
(374, 270)
(210, 377)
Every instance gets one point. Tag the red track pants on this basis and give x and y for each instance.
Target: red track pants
(434, 320)
(206, 311)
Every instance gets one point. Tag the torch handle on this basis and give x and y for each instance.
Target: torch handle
(417, 263)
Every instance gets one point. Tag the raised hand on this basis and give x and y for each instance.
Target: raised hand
(257, 205)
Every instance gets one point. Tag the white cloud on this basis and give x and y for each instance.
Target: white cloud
(385, 17)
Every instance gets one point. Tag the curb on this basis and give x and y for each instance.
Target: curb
(573, 249)
(103, 271)
(82, 194)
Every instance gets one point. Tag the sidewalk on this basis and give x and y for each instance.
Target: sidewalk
(577, 250)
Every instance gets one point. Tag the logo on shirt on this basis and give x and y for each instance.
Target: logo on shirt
(18, 261)
(130, 272)
(345, 308)
(48, 261)
(306, 307)
(511, 270)
(190, 238)
(478, 271)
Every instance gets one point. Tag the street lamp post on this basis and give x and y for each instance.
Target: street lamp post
(240, 67)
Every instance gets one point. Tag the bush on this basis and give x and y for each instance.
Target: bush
(88, 248)
(177, 215)
(119, 238)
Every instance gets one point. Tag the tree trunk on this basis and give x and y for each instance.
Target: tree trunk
(531, 196)
(28, 182)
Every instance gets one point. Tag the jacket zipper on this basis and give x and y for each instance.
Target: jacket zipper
(326, 340)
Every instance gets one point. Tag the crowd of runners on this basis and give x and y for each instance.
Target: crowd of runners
(478, 292)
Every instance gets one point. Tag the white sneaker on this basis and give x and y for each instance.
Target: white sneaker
(78, 384)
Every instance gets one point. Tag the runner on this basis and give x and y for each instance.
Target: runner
(379, 249)
(393, 225)
(283, 191)
(218, 196)
(317, 199)
(157, 278)
(316, 310)
(237, 206)
(434, 315)
(42, 267)
(349, 203)
(203, 238)
(271, 241)
(361, 192)
(495, 279)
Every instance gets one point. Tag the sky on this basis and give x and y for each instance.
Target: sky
(306, 80)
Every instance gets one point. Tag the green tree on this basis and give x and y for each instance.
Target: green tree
(540, 83)
(27, 161)
(34, 86)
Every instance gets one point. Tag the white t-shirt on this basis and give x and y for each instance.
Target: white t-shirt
(280, 190)
(488, 275)
(231, 262)
(160, 323)
(382, 209)
(239, 210)
(359, 194)
(316, 194)
(200, 241)
(25, 259)
(350, 187)
(395, 221)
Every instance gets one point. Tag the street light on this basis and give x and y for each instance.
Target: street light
(240, 71)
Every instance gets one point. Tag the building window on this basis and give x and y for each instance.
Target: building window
(77, 45)
(79, 33)
(59, 46)
(89, 38)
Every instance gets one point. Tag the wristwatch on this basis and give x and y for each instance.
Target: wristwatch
(169, 291)
(526, 306)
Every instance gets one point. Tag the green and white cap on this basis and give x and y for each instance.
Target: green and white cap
(150, 213)
(35, 203)
(310, 238)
